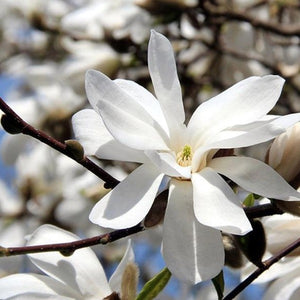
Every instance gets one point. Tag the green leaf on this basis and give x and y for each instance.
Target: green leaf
(219, 285)
(249, 200)
(155, 285)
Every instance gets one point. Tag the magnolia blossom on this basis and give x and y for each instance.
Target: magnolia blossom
(128, 123)
(120, 18)
(79, 276)
(285, 288)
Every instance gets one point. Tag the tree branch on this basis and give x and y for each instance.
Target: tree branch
(20, 126)
(262, 210)
(265, 266)
(281, 29)
(67, 249)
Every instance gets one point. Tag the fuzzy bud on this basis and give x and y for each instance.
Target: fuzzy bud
(11, 125)
(157, 211)
(253, 244)
(75, 149)
(283, 155)
(233, 254)
(129, 282)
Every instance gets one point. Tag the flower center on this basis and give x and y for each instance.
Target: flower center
(184, 157)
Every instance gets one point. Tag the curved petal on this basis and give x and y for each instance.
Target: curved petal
(128, 203)
(116, 278)
(162, 68)
(145, 99)
(91, 132)
(166, 162)
(127, 120)
(37, 285)
(193, 252)
(260, 134)
(216, 205)
(246, 135)
(244, 102)
(255, 176)
(81, 271)
(286, 287)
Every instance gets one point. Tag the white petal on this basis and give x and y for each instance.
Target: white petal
(37, 285)
(162, 68)
(127, 120)
(91, 132)
(259, 134)
(81, 271)
(145, 99)
(246, 135)
(128, 203)
(166, 162)
(245, 102)
(255, 176)
(216, 205)
(116, 278)
(193, 252)
(287, 287)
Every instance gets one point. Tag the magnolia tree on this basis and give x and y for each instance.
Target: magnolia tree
(170, 124)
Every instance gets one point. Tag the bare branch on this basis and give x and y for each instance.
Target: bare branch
(20, 126)
(281, 29)
(68, 249)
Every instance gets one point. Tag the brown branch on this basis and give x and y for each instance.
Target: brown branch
(265, 266)
(17, 125)
(215, 11)
(262, 210)
(69, 248)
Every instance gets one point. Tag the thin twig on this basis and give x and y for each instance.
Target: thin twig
(69, 248)
(281, 29)
(262, 210)
(265, 266)
(25, 128)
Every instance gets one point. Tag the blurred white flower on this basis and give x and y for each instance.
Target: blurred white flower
(79, 276)
(134, 126)
(83, 56)
(10, 204)
(286, 287)
(120, 18)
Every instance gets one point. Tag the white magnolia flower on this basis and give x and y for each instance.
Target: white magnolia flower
(120, 18)
(79, 276)
(285, 288)
(128, 123)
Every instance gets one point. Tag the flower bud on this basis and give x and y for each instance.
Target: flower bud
(11, 125)
(129, 282)
(283, 155)
(157, 211)
(75, 149)
(233, 254)
(253, 244)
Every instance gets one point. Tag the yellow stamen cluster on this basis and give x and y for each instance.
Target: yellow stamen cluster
(184, 157)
